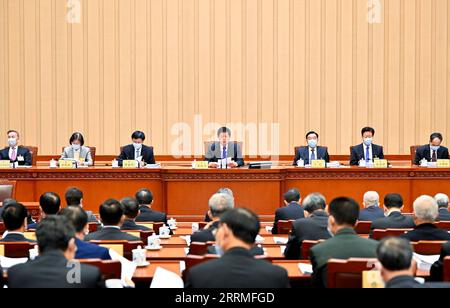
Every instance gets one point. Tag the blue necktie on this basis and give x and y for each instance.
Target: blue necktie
(313, 155)
(367, 154)
(224, 153)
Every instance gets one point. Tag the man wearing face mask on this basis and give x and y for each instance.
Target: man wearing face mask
(367, 150)
(137, 151)
(433, 151)
(77, 150)
(15, 153)
(312, 151)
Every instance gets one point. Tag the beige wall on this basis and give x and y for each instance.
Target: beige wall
(147, 64)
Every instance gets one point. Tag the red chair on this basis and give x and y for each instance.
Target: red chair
(379, 234)
(93, 227)
(198, 248)
(447, 269)
(109, 269)
(285, 226)
(444, 225)
(123, 248)
(348, 273)
(193, 260)
(2, 228)
(16, 249)
(306, 248)
(428, 248)
(363, 227)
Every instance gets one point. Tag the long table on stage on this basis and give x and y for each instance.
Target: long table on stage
(183, 192)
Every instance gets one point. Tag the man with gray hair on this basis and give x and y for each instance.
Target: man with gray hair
(222, 190)
(314, 227)
(219, 203)
(442, 201)
(425, 214)
(372, 210)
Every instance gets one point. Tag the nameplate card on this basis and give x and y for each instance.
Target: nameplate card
(372, 280)
(200, 165)
(5, 164)
(130, 164)
(443, 163)
(66, 164)
(318, 163)
(380, 163)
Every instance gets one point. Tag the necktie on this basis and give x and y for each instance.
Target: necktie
(313, 154)
(137, 154)
(434, 159)
(13, 154)
(367, 154)
(224, 153)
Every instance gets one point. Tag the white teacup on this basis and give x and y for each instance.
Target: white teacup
(195, 227)
(164, 231)
(115, 163)
(139, 256)
(172, 223)
(33, 253)
(153, 241)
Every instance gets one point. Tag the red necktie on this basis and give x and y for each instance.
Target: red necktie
(13, 154)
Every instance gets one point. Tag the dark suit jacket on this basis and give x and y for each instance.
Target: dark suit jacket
(444, 214)
(51, 271)
(292, 211)
(237, 269)
(313, 228)
(149, 215)
(303, 153)
(437, 270)
(234, 151)
(344, 245)
(131, 225)
(33, 226)
(110, 234)
(21, 151)
(358, 153)
(371, 213)
(87, 250)
(128, 153)
(206, 235)
(425, 152)
(15, 238)
(395, 220)
(402, 282)
(427, 232)
(254, 251)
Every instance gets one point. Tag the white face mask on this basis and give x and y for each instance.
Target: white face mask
(12, 142)
(435, 147)
(76, 147)
(137, 146)
(312, 143)
(368, 141)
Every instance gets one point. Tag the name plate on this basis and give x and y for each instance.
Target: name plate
(5, 164)
(372, 280)
(66, 164)
(319, 163)
(200, 165)
(443, 163)
(130, 164)
(380, 163)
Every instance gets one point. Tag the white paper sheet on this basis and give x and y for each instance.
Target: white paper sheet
(10, 262)
(280, 240)
(128, 267)
(166, 279)
(425, 262)
(305, 268)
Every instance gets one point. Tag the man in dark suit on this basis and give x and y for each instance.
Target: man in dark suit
(50, 204)
(137, 150)
(222, 190)
(14, 152)
(131, 211)
(393, 204)
(314, 227)
(437, 270)
(74, 197)
(145, 199)
(425, 214)
(312, 151)
(433, 151)
(237, 268)
(224, 149)
(55, 268)
(372, 210)
(79, 220)
(442, 201)
(111, 215)
(366, 151)
(292, 209)
(14, 217)
(345, 244)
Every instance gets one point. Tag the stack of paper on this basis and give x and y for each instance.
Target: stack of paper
(166, 279)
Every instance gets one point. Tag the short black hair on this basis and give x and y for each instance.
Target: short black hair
(292, 195)
(50, 203)
(393, 201)
(395, 254)
(368, 129)
(224, 130)
(54, 233)
(243, 223)
(14, 215)
(13, 131)
(312, 133)
(436, 135)
(138, 135)
(77, 137)
(144, 196)
(73, 196)
(76, 216)
(344, 210)
(130, 207)
(111, 212)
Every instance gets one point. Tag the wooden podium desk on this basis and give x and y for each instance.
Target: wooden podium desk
(183, 192)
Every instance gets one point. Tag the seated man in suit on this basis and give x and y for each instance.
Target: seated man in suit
(313, 228)
(74, 197)
(224, 149)
(14, 152)
(345, 244)
(393, 205)
(145, 199)
(372, 210)
(433, 151)
(366, 151)
(222, 190)
(237, 268)
(79, 220)
(442, 201)
(137, 150)
(77, 151)
(292, 209)
(14, 217)
(131, 211)
(312, 151)
(55, 266)
(437, 270)
(50, 204)
(111, 215)
(425, 214)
